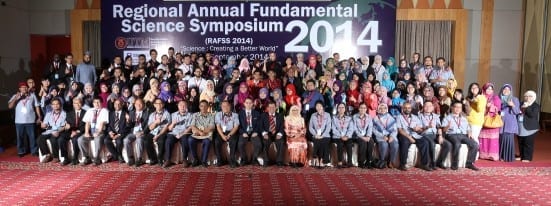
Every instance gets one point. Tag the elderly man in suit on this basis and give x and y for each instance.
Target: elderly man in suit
(116, 130)
(73, 129)
(273, 132)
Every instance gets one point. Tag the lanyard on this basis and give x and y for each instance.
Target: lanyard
(320, 120)
(363, 121)
(95, 116)
(384, 124)
(54, 117)
(457, 122)
(427, 119)
(226, 118)
(407, 119)
(342, 122)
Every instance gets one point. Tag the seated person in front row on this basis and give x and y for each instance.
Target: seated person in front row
(116, 130)
(458, 132)
(227, 126)
(138, 124)
(250, 127)
(96, 120)
(433, 133)
(158, 126)
(385, 131)
(342, 135)
(73, 129)
(202, 127)
(273, 132)
(53, 125)
(179, 132)
(410, 128)
(320, 128)
(363, 133)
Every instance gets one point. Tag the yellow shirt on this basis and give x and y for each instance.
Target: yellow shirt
(478, 108)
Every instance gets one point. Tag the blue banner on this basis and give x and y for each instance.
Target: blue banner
(352, 28)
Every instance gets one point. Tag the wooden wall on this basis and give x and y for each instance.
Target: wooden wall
(82, 12)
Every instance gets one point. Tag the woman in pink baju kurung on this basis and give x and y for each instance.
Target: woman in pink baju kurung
(489, 137)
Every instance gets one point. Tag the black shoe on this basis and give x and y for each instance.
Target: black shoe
(426, 168)
(195, 163)
(139, 162)
(233, 164)
(65, 162)
(472, 167)
(280, 164)
(167, 164)
(153, 162)
(97, 162)
(131, 161)
(161, 163)
(121, 160)
(381, 165)
(256, 163)
(87, 161)
(403, 168)
(243, 163)
(219, 164)
(454, 167)
(441, 166)
(74, 162)
(205, 164)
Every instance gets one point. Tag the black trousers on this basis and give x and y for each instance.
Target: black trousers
(321, 149)
(169, 146)
(257, 146)
(445, 148)
(62, 141)
(115, 150)
(232, 143)
(422, 145)
(365, 151)
(150, 149)
(526, 146)
(280, 146)
(456, 140)
(341, 144)
(43, 145)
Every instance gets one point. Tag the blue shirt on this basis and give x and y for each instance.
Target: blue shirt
(362, 126)
(54, 121)
(182, 122)
(226, 121)
(311, 97)
(457, 124)
(409, 123)
(320, 124)
(384, 126)
(342, 127)
(427, 119)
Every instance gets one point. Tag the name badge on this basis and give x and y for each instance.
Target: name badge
(521, 118)
(24, 110)
(55, 128)
(93, 125)
(56, 76)
(137, 129)
(306, 107)
(362, 134)
(155, 131)
(319, 132)
(224, 128)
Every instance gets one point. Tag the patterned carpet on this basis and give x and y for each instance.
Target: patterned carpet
(31, 183)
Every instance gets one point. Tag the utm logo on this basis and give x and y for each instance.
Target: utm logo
(120, 43)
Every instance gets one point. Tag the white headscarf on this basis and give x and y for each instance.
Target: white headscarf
(530, 93)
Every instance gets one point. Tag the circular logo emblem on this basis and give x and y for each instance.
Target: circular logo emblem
(120, 43)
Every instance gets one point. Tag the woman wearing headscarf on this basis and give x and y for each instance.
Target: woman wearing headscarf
(327, 93)
(528, 125)
(403, 69)
(182, 92)
(261, 103)
(295, 130)
(137, 92)
(208, 94)
(227, 95)
(378, 67)
(244, 66)
(277, 97)
(166, 94)
(451, 86)
(89, 95)
(330, 65)
(291, 96)
(385, 132)
(396, 103)
(510, 108)
(413, 98)
(387, 81)
(392, 69)
(489, 137)
(353, 96)
(339, 96)
(241, 96)
(370, 99)
(104, 94)
(314, 65)
(228, 68)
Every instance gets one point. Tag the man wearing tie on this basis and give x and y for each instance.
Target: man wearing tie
(158, 126)
(139, 127)
(66, 71)
(458, 132)
(179, 132)
(96, 120)
(218, 80)
(250, 126)
(116, 130)
(273, 130)
(227, 126)
(73, 129)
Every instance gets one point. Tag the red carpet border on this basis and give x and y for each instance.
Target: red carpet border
(32, 183)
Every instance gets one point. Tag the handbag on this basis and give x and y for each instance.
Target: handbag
(493, 122)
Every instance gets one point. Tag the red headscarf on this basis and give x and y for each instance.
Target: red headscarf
(291, 99)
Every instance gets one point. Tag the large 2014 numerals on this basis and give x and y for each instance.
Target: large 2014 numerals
(371, 29)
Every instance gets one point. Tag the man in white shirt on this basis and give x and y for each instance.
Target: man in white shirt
(96, 120)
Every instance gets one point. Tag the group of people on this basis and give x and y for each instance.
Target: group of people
(195, 98)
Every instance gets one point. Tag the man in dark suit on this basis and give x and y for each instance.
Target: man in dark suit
(218, 81)
(249, 130)
(116, 130)
(138, 128)
(73, 129)
(51, 71)
(67, 70)
(272, 131)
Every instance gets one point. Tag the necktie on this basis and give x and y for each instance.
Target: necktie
(117, 120)
(248, 118)
(139, 118)
(76, 119)
(272, 124)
